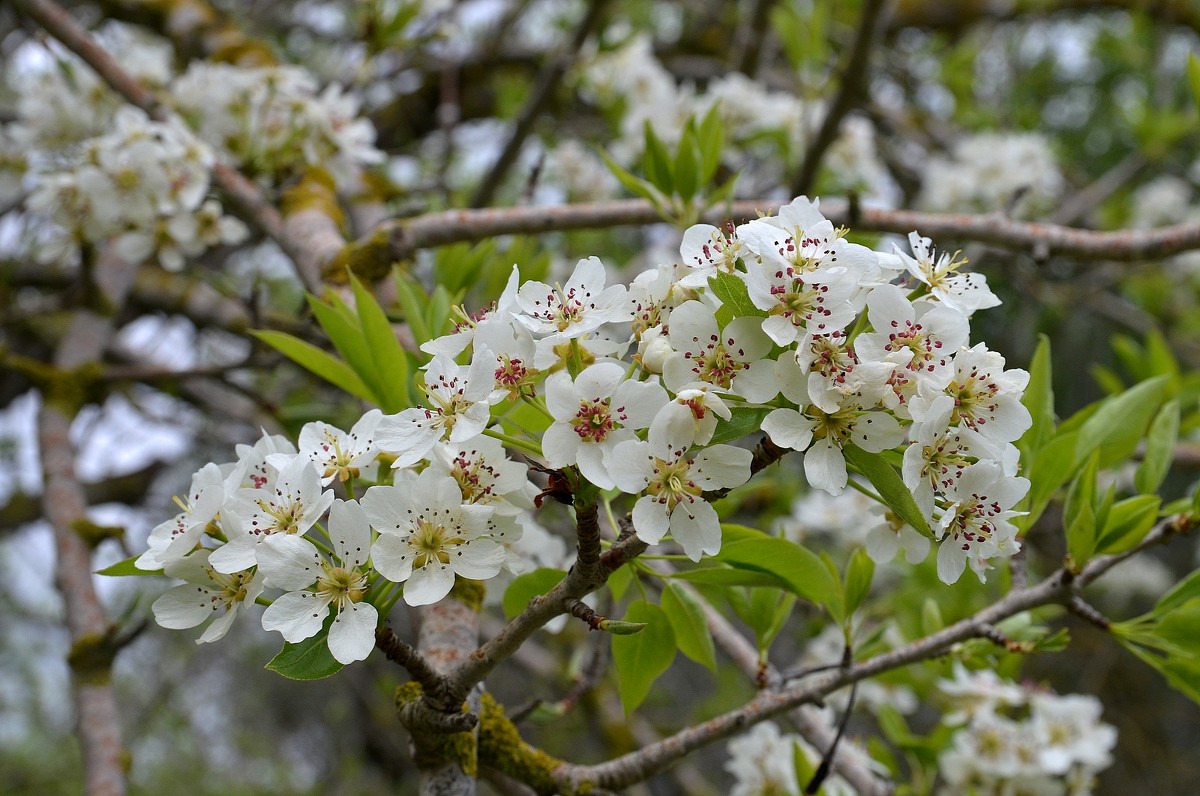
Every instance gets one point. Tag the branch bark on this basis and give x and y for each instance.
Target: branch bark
(1058, 588)
(406, 236)
(64, 504)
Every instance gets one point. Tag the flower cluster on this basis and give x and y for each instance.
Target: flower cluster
(144, 187)
(625, 390)
(270, 521)
(763, 763)
(100, 171)
(1014, 172)
(1016, 739)
(272, 120)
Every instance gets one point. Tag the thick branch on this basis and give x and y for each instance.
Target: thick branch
(540, 611)
(64, 503)
(406, 236)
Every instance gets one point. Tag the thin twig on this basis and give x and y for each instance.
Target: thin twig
(872, 20)
(403, 654)
(547, 83)
(1057, 588)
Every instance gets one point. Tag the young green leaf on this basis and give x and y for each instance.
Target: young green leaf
(859, 574)
(1079, 514)
(1160, 449)
(656, 162)
(389, 360)
(800, 569)
(308, 660)
(126, 568)
(687, 165)
(641, 658)
(1039, 400)
(1051, 467)
(634, 184)
(1119, 423)
(318, 361)
(890, 485)
(342, 326)
(413, 301)
(733, 293)
(527, 586)
(710, 138)
(744, 420)
(729, 576)
(686, 614)
(1128, 522)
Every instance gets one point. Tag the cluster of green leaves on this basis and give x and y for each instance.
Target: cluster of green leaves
(368, 360)
(1103, 436)
(1168, 637)
(372, 365)
(680, 184)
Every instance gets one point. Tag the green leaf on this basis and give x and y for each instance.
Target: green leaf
(1183, 591)
(1193, 73)
(743, 421)
(1079, 514)
(389, 360)
(640, 659)
(711, 140)
(413, 301)
(1051, 467)
(656, 162)
(318, 361)
(687, 165)
(1160, 449)
(859, 574)
(127, 567)
(525, 587)
(345, 332)
(686, 614)
(800, 569)
(308, 660)
(619, 581)
(634, 184)
(803, 767)
(1039, 400)
(728, 576)
(887, 481)
(778, 618)
(1128, 523)
(733, 293)
(1120, 421)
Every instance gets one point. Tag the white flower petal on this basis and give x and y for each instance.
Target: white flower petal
(352, 634)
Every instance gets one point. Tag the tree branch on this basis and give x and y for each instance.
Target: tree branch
(541, 610)
(406, 236)
(244, 195)
(547, 83)
(872, 20)
(1058, 588)
(64, 504)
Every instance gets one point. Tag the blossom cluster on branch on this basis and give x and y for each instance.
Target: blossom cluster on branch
(624, 391)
